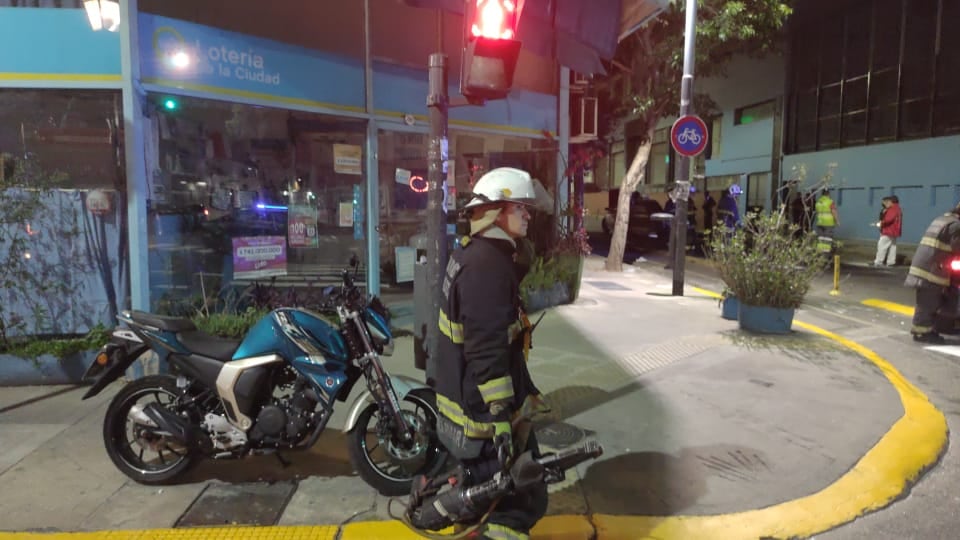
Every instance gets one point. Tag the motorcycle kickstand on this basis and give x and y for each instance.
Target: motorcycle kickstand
(284, 462)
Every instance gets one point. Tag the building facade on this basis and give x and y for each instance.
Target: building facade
(277, 139)
(869, 89)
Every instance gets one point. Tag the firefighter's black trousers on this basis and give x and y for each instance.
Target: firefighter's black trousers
(935, 310)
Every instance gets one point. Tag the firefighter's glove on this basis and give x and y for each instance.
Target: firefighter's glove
(503, 442)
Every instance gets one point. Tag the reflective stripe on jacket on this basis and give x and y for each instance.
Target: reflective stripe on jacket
(824, 208)
(931, 260)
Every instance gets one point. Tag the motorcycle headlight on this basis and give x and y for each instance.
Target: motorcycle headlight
(377, 318)
(383, 341)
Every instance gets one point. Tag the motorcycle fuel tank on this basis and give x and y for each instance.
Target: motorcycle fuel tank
(279, 331)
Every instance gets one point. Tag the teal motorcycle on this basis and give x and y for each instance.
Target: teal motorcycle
(271, 392)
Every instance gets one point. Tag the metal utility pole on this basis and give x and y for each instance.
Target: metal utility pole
(682, 189)
(438, 102)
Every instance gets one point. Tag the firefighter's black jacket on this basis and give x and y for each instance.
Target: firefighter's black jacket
(480, 359)
(939, 244)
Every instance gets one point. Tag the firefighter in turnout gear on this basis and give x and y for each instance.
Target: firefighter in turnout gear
(930, 275)
(485, 395)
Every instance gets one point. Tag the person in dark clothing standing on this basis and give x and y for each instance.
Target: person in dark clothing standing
(708, 205)
(929, 274)
(485, 394)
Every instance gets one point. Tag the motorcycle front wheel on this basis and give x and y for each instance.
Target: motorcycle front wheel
(138, 449)
(388, 464)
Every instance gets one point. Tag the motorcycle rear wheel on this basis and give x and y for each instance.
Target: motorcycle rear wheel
(127, 442)
(387, 464)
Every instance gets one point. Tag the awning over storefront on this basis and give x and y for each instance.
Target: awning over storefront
(578, 33)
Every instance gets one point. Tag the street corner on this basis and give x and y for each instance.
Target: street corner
(885, 473)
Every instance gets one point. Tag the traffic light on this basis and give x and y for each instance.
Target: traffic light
(491, 49)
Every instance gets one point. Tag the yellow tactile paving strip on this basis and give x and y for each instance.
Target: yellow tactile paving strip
(913, 443)
(322, 532)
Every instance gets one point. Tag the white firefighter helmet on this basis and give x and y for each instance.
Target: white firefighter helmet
(503, 184)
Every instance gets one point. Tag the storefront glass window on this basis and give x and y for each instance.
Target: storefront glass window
(62, 211)
(244, 194)
(403, 196)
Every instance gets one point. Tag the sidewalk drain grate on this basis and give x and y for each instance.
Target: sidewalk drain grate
(664, 354)
(607, 285)
(238, 504)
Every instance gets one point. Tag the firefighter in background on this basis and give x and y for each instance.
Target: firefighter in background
(827, 221)
(930, 275)
(485, 395)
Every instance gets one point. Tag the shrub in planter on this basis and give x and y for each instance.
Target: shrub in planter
(767, 264)
(546, 284)
(230, 325)
(49, 360)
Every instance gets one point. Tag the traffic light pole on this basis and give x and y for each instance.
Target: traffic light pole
(439, 103)
(682, 188)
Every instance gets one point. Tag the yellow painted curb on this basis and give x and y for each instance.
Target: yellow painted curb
(889, 306)
(914, 443)
(550, 527)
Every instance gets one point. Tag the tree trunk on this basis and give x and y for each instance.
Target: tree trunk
(618, 240)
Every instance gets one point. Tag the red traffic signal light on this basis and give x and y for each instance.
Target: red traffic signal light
(494, 19)
(490, 52)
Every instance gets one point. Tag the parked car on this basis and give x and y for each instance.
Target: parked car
(649, 226)
(643, 231)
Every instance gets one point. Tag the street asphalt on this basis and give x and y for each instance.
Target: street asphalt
(708, 431)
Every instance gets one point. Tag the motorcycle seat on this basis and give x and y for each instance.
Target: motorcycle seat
(204, 344)
(169, 324)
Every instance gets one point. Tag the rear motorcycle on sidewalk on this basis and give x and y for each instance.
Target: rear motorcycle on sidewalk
(271, 392)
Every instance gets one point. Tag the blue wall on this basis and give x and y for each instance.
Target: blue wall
(237, 65)
(60, 46)
(744, 149)
(923, 174)
(399, 89)
(55, 44)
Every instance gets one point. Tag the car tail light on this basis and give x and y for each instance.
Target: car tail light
(955, 265)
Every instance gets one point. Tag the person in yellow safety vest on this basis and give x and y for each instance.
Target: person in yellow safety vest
(484, 389)
(930, 275)
(827, 221)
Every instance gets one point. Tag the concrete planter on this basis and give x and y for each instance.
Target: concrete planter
(539, 299)
(766, 320)
(47, 369)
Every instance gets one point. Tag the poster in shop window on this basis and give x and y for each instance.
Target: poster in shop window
(347, 158)
(256, 257)
(302, 226)
(345, 211)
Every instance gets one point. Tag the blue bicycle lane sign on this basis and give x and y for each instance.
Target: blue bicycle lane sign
(688, 136)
